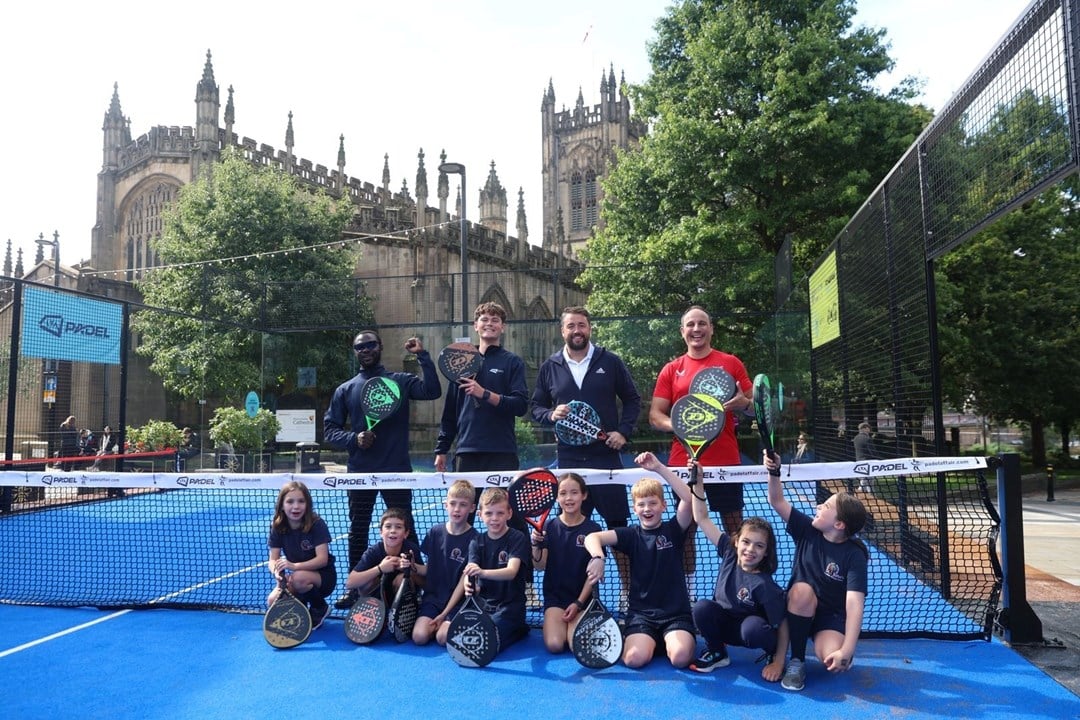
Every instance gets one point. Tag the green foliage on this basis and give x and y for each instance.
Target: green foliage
(205, 343)
(154, 435)
(764, 123)
(525, 434)
(1008, 325)
(234, 426)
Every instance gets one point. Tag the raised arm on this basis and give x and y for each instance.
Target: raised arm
(701, 510)
(776, 490)
(428, 387)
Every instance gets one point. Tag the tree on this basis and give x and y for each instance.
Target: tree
(245, 433)
(763, 124)
(230, 302)
(1007, 303)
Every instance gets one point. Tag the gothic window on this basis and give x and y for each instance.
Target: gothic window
(143, 222)
(577, 195)
(538, 333)
(591, 215)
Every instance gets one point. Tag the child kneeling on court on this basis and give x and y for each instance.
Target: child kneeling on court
(560, 552)
(747, 608)
(299, 543)
(381, 566)
(499, 564)
(659, 606)
(827, 592)
(446, 548)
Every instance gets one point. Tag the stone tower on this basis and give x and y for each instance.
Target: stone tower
(578, 153)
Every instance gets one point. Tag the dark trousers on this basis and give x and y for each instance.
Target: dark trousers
(717, 625)
(361, 504)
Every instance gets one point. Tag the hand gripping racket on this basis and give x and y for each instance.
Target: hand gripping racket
(581, 426)
(366, 619)
(459, 361)
(403, 611)
(287, 622)
(472, 639)
(597, 641)
(697, 420)
(764, 412)
(532, 495)
(380, 397)
(715, 381)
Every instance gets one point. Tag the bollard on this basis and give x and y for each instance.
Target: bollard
(1049, 483)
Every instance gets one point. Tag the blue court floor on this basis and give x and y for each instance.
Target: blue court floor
(181, 664)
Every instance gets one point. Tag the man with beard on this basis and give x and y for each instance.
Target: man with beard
(586, 372)
(674, 382)
(371, 452)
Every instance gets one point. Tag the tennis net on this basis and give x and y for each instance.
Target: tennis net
(198, 540)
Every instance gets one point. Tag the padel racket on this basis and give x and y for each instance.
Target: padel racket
(380, 397)
(366, 619)
(715, 381)
(697, 420)
(581, 426)
(597, 641)
(472, 639)
(459, 361)
(287, 622)
(403, 611)
(764, 412)
(532, 495)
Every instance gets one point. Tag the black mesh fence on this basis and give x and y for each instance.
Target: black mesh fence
(199, 540)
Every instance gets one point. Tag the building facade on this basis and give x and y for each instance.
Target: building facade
(408, 247)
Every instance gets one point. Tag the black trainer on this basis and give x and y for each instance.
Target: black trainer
(318, 614)
(347, 600)
(710, 660)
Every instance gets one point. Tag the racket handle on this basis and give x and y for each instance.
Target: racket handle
(773, 456)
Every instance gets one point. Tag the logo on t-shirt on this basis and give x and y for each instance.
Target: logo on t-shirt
(504, 558)
(744, 597)
(457, 556)
(305, 544)
(832, 571)
(662, 543)
(579, 541)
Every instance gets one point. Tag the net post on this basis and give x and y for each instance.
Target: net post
(1020, 624)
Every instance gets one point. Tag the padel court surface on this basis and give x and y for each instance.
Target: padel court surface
(164, 663)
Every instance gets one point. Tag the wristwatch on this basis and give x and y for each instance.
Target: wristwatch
(487, 394)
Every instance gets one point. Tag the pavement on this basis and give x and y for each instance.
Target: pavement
(1052, 562)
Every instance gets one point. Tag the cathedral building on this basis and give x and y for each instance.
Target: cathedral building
(408, 250)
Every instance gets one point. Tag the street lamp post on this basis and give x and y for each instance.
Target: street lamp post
(55, 242)
(452, 168)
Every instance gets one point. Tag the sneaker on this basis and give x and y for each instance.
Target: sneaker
(347, 600)
(318, 614)
(794, 676)
(710, 660)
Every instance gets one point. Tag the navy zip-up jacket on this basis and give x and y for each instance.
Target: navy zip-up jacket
(482, 427)
(390, 451)
(606, 380)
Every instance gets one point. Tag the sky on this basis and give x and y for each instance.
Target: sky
(466, 76)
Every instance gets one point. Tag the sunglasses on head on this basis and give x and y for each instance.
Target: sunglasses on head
(366, 346)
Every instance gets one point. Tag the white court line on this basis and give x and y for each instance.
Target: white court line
(155, 601)
(120, 613)
(62, 633)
